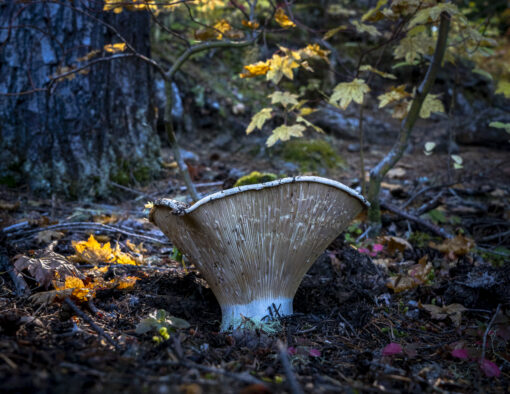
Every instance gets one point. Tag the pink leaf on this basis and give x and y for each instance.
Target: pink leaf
(364, 250)
(377, 247)
(314, 353)
(391, 349)
(490, 369)
(460, 353)
(291, 351)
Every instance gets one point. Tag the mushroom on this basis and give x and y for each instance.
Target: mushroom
(253, 244)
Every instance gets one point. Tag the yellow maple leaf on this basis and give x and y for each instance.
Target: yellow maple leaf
(414, 44)
(283, 98)
(258, 120)
(400, 110)
(253, 70)
(80, 291)
(432, 14)
(345, 92)
(280, 66)
(91, 251)
(284, 133)
(126, 282)
(396, 93)
(431, 104)
(282, 19)
(115, 48)
(374, 14)
(222, 26)
(315, 51)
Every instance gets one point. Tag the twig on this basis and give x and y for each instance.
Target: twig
(128, 189)
(487, 332)
(294, 386)
(494, 236)
(88, 226)
(429, 226)
(98, 329)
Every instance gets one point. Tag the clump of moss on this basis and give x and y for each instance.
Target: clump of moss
(311, 155)
(255, 177)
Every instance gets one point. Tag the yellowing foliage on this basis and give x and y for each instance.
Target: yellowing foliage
(253, 70)
(346, 92)
(284, 133)
(115, 48)
(258, 120)
(395, 94)
(93, 252)
(250, 24)
(282, 19)
(431, 104)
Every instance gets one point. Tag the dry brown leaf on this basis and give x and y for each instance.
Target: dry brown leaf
(396, 173)
(46, 267)
(459, 246)
(47, 236)
(416, 275)
(391, 186)
(453, 311)
(395, 243)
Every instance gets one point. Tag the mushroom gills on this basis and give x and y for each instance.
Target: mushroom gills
(253, 244)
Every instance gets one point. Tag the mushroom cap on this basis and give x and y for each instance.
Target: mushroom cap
(254, 243)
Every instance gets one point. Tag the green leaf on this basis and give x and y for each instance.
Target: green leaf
(501, 125)
(363, 28)
(177, 323)
(146, 325)
(258, 120)
(284, 133)
(332, 32)
(374, 14)
(437, 216)
(346, 92)
(432, 14)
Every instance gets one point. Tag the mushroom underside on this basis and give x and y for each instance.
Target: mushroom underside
(254, 247)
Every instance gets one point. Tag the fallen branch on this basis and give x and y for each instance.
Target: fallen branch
(21, 287)
(429, 226)
(86, 226)
(96, 328)
(294, 386)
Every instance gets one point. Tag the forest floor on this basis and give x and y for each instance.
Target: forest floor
(409, 311)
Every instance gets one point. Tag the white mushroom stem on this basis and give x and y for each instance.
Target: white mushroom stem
(253, 244)
(260, 310)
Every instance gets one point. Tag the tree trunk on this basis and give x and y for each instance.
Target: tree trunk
(94, 128)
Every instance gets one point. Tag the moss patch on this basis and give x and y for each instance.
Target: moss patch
(310, 155)
(255, 177)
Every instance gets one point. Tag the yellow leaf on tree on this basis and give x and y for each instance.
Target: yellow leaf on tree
(250, 24)
(414, 44)
(431, 104)
(284, 98)
(400, 110)
(280, 66)
(222, 26)
(374, 14)
(315, 51)
(258, 120)
(395, 94)
(253, 70)
(282, 19)
(364, 28)
(432, 14)
(345, 92)
(284, 133)
(115, 48)
(332, 32)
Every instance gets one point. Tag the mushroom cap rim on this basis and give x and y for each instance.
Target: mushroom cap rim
(261, 186)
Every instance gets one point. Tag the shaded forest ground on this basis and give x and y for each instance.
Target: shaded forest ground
(351, 332)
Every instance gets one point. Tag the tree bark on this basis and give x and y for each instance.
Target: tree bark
(88, 129)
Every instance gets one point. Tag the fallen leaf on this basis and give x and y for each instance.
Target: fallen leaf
(47, 236)
(416, 275)
(46, 266)
(396, 243)
(8, 206)
(490, 369)
(459, 246)
(460, 353)
(453, 311)
(314, 353)
(392, 349)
